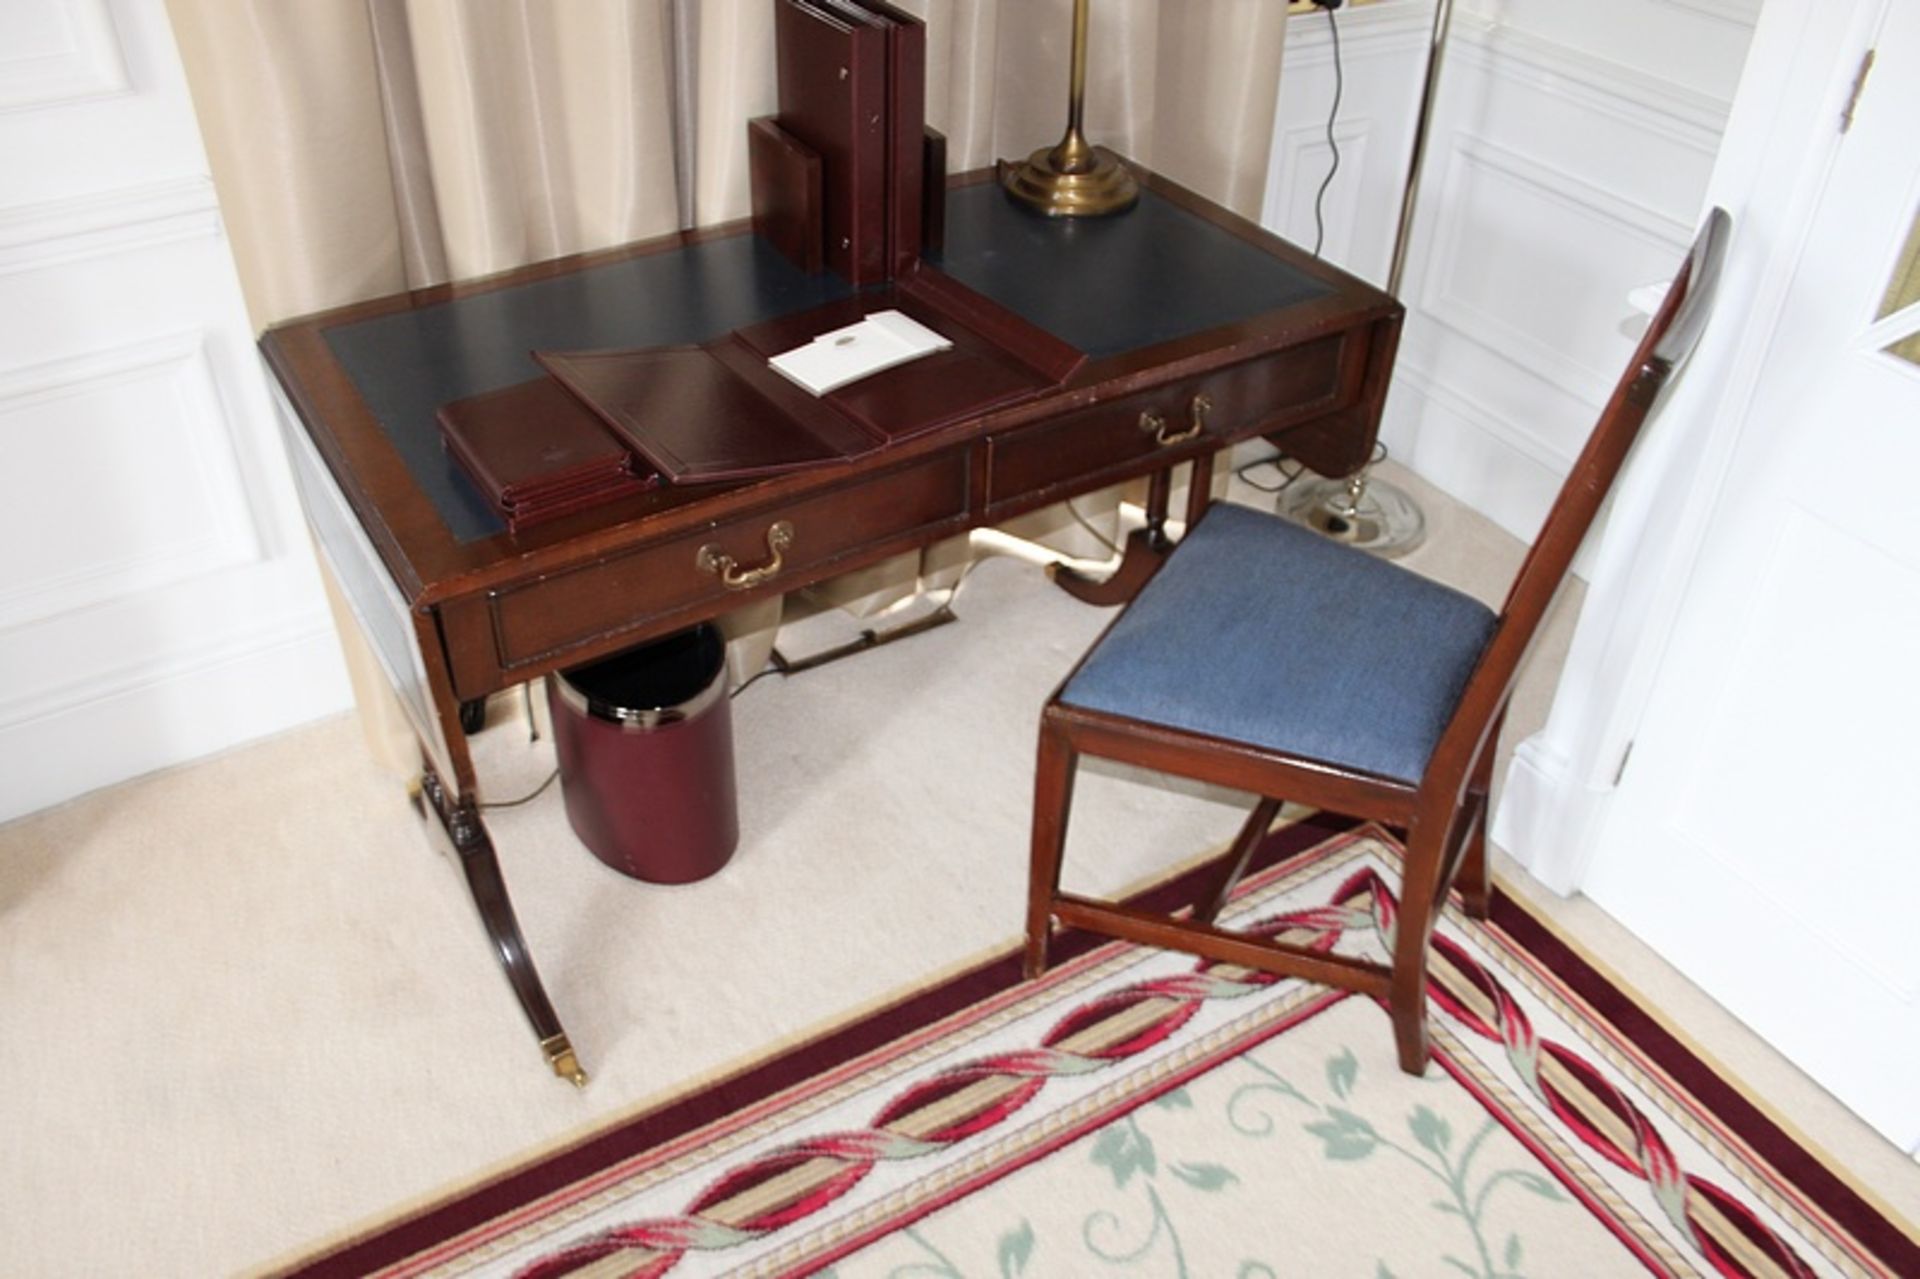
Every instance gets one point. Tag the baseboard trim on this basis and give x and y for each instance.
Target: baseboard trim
(1548, 819)
(97, 741)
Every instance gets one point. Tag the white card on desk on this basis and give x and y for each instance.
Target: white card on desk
(882, 340)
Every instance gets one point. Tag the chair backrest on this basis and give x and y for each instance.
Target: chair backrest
(1668, 341)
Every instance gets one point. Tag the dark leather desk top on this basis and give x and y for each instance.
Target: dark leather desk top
(1113, 285)
(1106, 286)
(407, 364)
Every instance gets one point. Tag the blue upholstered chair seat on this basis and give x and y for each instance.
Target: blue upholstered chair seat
(1286, 641)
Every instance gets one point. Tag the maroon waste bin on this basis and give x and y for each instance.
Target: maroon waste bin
(645, 741)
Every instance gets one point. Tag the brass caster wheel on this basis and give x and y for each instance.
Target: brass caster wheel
(560, 1056)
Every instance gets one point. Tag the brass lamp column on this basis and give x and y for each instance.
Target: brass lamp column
(1073, 179)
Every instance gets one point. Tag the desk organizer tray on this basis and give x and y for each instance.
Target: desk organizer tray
(536, 453)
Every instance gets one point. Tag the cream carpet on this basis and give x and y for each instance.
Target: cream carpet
(244, 1005)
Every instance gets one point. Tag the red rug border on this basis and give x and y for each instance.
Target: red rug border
(393, 1242)
(1605, 1214)
(1793, 1162)
(1091, 1122)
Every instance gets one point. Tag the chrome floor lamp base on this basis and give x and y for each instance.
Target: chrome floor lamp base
(1362, 511)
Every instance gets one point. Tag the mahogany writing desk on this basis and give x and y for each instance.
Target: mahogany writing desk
(1200, 329)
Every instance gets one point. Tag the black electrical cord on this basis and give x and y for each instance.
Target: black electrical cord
(524, 799)
(1278, 462)
(1339, 88)
(753, 679)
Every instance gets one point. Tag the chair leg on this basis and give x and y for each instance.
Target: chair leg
(1258, 823)
(1475, 879)
(1412, 931)
(1052, 798)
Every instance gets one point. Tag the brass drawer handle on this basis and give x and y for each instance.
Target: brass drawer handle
(711, 559)
(1152, 421)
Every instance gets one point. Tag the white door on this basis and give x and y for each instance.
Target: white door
(1764, 837)
(157, 594)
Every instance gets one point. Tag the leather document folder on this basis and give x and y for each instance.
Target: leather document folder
(996, 360)
(708, 413)
(906, 127)
(719, 412)
(832, 68)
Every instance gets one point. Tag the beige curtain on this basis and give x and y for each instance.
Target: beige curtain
(1186, 87)
(360, 147)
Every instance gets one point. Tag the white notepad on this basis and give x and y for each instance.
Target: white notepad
(882, 340)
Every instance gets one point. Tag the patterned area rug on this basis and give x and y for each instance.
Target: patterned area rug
(1139, 1113)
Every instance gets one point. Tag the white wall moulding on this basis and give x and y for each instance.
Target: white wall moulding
(163, 500)
(138, 673)
(158, 599)
(58, 51)
(1460, 402)
(54, 232)
(1499, 271)
(1650, 104)
(1462, 445)
(123, 724)
(1741, 13)
(1692, 45)
(1557, 180)
(1305, 151)
(1383, 50)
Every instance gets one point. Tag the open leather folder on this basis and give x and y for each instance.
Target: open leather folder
(717, 411)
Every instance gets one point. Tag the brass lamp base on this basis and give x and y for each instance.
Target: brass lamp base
(1039, 182)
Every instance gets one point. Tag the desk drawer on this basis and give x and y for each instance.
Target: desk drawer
(542, 620)
(1242, 400)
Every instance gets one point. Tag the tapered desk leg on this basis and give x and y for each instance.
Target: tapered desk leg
(474, 850)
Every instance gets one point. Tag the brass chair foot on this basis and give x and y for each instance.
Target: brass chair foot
(560, 1056)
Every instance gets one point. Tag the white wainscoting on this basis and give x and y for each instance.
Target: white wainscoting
(158, 597)
(1383, 51)
(58, 53)
(1556, 181)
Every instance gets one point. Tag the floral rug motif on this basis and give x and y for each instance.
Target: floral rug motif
(1143, 1113)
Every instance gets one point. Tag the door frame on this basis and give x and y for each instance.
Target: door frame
(1776, 158)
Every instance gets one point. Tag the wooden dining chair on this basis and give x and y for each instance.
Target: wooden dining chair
(1264, 658)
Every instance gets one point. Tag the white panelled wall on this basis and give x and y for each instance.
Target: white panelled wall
(158, 599)
(1568, 150)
